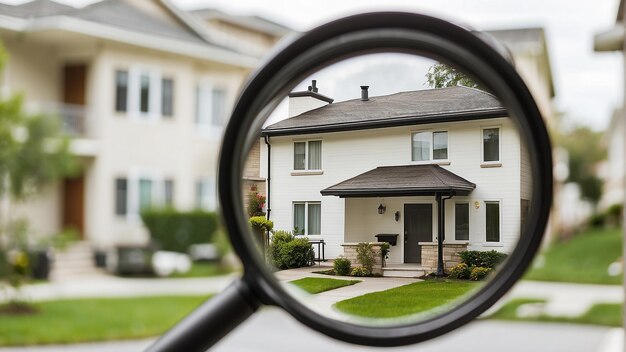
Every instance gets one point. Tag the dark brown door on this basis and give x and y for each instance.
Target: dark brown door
(418, 227)
(74, 82)
(74, 204)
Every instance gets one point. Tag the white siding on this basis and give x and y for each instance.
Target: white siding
(298, 105)
(347, 154)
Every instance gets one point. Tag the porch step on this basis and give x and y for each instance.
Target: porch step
(411, 271)
(76, 262)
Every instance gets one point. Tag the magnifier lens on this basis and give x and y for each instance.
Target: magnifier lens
(386, 188)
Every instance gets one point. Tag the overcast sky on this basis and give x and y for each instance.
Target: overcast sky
(588, 85)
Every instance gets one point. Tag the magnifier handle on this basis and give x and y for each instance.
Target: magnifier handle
(206, 325)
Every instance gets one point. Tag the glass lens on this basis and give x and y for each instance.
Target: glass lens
(387, 188)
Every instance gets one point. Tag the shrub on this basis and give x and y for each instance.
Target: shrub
(360, 271)
(260, 223)
(365, 256)
(175, 230)
(342, 266)
(478, 273)
(487, 259)
(460, 271)
(289, 252)
(256, 202)
(282, 236)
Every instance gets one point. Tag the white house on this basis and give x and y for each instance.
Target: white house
(347, 171)
(144, 89)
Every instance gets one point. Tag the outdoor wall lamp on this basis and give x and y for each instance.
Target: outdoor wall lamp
(477, 204)
(381, 209)
(397, 215)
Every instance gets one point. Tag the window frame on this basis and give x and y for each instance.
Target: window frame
(499, 242)
(117, 110)
(306, 169)
(306, 216)
(204, 120)
(493, 163)
(431, 132)
(469, 221)
(208, 201)
(116, 209)
(169, 114)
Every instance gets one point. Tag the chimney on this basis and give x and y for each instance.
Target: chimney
(303, 101)
(364, 93)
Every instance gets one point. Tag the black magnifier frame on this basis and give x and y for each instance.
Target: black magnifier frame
(351, 36)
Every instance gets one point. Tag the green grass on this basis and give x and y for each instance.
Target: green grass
(71, 321)
(583, 259)
(405, 300)
(605, 314)
(202, 269)
(315, 285)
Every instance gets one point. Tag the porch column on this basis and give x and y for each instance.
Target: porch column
(441, 229)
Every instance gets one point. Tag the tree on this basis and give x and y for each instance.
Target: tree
(33, 155)
(585, 151)
(441, 75)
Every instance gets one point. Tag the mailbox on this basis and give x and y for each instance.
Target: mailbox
(391, 238)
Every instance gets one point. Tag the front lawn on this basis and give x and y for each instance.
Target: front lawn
(315, 285)
(203, 269)
(583, 259)
(605, 314)
(405, 300)
(79, 320)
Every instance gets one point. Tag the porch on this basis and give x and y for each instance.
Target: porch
(406, 203)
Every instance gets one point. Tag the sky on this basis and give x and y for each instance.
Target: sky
(588, 85)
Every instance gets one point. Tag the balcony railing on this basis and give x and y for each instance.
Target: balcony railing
(74, 119)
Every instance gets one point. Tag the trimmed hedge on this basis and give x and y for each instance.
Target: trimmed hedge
(288, 252)
(486, 259)
(175, 231)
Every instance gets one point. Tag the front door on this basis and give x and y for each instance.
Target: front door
(74, 204)
(418, 227)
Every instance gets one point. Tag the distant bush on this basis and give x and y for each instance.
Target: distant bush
(175, 231)
(342, 266)
(360, 271)
(460, 271)
(256, 202)
(478, 273)
(611, 217)
(487, 259)
(287, 252)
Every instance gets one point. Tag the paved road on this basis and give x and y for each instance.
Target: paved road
(273, 330)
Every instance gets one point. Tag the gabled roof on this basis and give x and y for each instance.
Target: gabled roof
(248, 21)
(400, 109)
(400, 181)
(36, 8)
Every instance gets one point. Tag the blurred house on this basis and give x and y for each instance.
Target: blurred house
(614, 174)
(144, 89)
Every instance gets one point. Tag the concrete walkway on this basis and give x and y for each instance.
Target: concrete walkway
(323, 302)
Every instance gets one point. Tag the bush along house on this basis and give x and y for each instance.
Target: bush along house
(432, 172)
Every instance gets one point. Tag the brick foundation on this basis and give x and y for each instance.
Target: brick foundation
(450, 255)
(349, 252)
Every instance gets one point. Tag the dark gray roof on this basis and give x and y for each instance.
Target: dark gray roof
(400, 109)
(36, 8)
(399, 181)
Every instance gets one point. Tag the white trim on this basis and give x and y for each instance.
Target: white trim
(306, 170)
(494, 163)
(484, 240)
(203, 120)
(117, 34)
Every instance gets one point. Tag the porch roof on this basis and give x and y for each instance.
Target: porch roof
(399, 181)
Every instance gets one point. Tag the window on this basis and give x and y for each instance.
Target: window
(307, 155)
(426, 146)
(206, 195)
(168, 193)
(492, 210)
(491, 144)
(218, 107)
(210, 106)
(144, 93)
(121, 91)
(461, 221)
(167, 97)
(145, 194)
(307, 218)
(121, 194)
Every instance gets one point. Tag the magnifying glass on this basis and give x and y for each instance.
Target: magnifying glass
(398, 212)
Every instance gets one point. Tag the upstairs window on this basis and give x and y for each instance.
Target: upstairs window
(491, 145)
(167, 97)
(307, 155)
(121, 194)
(121, 91)
(210, 106)
(144, 93)
(427, 146)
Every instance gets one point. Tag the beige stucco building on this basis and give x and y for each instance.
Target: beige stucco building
(144, 89)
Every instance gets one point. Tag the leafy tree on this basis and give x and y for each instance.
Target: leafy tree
(33, 154)
(440, 76)
(585, 151)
